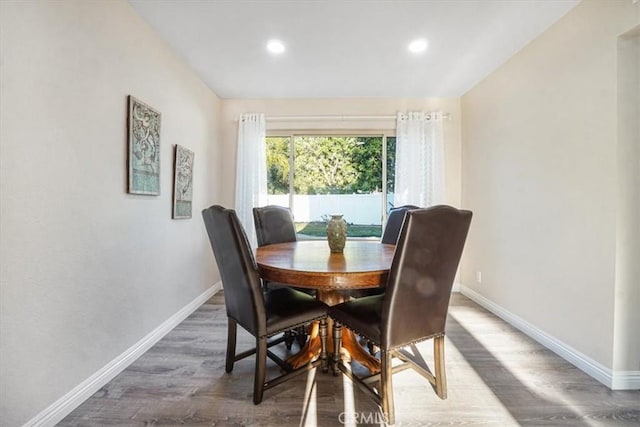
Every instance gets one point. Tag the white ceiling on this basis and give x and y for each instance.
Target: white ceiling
(347, 48)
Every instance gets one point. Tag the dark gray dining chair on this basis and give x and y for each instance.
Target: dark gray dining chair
(263, 313)
(274, 224)
(394, 223)
(415, 305)
(389, 236)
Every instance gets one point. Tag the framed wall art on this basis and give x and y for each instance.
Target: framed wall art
(144, 148)
(182, 183)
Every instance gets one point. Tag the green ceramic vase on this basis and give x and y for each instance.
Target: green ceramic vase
(337, 233)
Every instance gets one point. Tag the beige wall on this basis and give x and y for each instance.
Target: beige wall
(231, 109)
(626, 353)
(88, 270)
(540, 172)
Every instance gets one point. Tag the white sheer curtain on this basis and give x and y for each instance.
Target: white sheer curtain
(251, 170)
(419, 170)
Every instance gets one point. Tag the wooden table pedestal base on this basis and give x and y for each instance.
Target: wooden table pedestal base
(351, 348)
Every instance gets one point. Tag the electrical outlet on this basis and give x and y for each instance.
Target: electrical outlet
(479, 276)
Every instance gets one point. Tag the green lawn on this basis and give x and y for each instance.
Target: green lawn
(319, 229)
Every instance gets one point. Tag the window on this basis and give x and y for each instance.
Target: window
(320, 175)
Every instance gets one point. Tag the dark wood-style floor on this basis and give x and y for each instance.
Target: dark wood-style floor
(496, 377)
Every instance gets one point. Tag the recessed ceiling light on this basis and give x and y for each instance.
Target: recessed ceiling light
(418, 46)
(275, 46)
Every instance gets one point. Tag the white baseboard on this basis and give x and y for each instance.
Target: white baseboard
(456, 287)
(615, 380)
(67, 403)
(625, 380)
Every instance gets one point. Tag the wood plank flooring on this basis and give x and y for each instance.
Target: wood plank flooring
(496, 377)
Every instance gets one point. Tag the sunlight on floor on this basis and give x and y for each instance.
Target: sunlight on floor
(349, 407)
(525, 372)
(310, 407)
(461, 379)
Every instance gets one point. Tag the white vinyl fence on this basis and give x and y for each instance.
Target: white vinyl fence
(365, 209)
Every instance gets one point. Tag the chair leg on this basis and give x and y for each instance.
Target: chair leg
(440, 374)
(386, 392)
(372, 348)
(231, 344)
(289, 337)
(324, 364)
(261, 369)
(301, 336)
(337, 345)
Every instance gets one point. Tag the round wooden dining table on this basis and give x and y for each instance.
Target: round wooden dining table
(310, 264)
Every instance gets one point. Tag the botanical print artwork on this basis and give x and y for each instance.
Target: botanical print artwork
(183, 183)
(144, 148)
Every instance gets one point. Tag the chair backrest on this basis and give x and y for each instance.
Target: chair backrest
(274, 224)
(238, 270)
(422, 272)
(394, 223)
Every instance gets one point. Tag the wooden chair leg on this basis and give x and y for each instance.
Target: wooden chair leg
(261, 369)
(324, 364)
(337, 345)
(440, 374)
(386, 386)
(232, 327)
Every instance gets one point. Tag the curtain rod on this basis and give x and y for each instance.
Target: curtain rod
(446, 116)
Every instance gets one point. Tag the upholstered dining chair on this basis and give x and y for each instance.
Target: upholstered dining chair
(394, 223)
(262, 313)
(389, 236)
(415, 305)
(274, 224)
